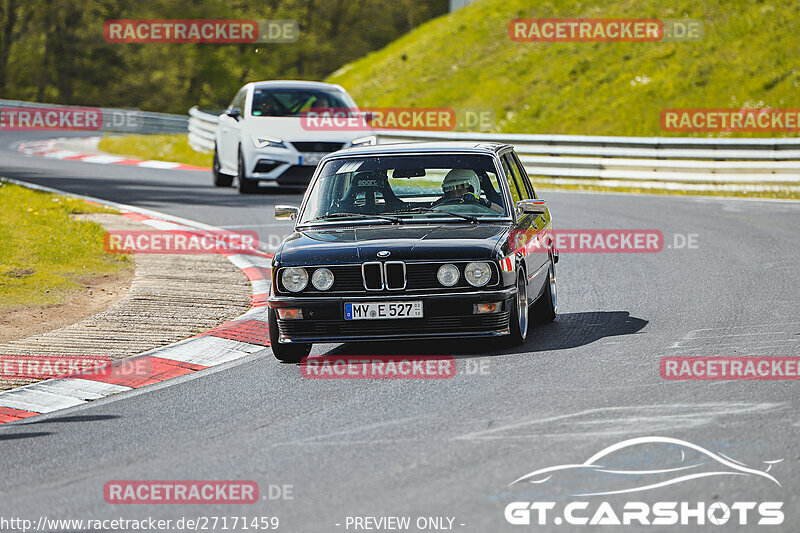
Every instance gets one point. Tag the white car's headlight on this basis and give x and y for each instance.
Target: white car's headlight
(268, 142)
(448, 275)
(365, 141)
(294, 279)
(478, 274)
(322, 279)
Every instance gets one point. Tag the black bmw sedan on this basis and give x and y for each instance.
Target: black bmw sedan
(410, 241)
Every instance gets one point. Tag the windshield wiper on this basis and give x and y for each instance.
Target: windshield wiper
(348, 215)
(432, 210)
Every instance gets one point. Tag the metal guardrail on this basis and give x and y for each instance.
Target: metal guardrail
(639, 158)
(202, 127)
(675, 159)
(120, 120)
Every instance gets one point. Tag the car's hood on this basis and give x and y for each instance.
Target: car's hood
(404, 242)
(295, 129)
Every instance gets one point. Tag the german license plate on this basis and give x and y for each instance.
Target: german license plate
(310, 158)
(379, 310)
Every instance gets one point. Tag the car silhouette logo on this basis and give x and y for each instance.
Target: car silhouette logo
(384, 253)
(695, 462)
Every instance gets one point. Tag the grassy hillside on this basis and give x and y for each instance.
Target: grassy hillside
(747, 58)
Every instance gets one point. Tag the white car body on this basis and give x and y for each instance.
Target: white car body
(291, 164)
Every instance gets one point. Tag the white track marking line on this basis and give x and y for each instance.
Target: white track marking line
(166, 226)
(159, 164)
(260, 286)
(208, 351)
(29, 399)
(61, 154)
(311, 439)
(248, 261)
(256, 313)
(266, 225)
(714, 410)
(83, 389)
(102, 159)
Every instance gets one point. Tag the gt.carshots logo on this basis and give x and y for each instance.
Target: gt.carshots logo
(611, 476)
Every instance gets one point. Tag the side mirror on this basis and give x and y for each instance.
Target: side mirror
(282, 212)
(234, 113)
(532, 207)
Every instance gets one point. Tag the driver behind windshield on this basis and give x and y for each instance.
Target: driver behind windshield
(462, 185)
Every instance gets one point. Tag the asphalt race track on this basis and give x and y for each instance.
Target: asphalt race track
(449, 448)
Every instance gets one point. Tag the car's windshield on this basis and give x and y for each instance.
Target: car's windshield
(287, 102)
(412, 187)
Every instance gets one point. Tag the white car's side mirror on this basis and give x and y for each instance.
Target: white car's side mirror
(235, 113)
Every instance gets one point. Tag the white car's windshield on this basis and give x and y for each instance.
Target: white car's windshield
(409, 188)
(287, 102)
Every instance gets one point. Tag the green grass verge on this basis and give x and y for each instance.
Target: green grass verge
(466, 59)
(44, 253)
(173, 148)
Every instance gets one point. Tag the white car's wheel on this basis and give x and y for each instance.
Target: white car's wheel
(220, 179)
(246, 186)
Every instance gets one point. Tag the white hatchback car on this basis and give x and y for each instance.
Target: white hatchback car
(261, 136)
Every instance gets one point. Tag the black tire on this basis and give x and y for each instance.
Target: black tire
(220, 179)
(288, 353)
(546, 306)
(518, 321)
(246, 186)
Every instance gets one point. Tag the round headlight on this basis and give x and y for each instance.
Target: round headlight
(448, 275)
(294, 279)
(322, 279)
(478, 274)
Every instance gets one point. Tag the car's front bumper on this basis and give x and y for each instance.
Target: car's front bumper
(284, 166)
(444, 315)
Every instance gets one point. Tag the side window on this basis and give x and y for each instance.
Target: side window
(238, 101)
(510, 163)
(525, 178)
(512, 184)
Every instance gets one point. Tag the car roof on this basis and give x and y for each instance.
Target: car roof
(295, 84)
(422, 147)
